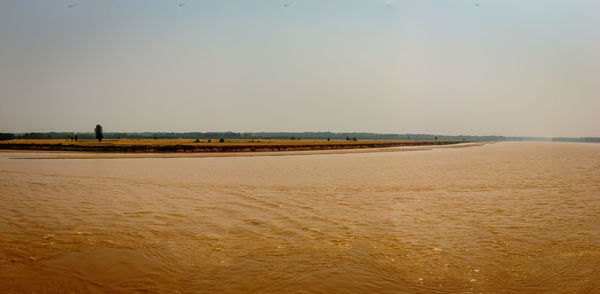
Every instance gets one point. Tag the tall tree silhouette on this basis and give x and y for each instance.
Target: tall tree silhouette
(99, 134)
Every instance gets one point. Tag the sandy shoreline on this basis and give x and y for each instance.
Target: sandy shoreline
(102, 155)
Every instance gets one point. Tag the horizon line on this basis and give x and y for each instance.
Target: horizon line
(301, 132)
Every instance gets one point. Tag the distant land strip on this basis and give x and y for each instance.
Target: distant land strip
(284, 136)
(182, 145)
(109, 155)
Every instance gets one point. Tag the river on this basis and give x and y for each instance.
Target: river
(503, 217)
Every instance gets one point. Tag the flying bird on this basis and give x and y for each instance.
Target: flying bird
(477, 4)
(71, 5)
(181, 4)
(287, 4)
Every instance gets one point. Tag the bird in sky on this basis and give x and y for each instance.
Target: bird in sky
(71, 5)
(287, 4)
(477, 4)
(181, 4)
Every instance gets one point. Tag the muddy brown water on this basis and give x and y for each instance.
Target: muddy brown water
(503, 217)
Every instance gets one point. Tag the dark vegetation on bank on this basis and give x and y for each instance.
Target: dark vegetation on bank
(216, 147)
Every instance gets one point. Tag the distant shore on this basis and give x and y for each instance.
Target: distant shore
(204, 146)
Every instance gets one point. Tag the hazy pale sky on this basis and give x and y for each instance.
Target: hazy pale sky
(505, 67)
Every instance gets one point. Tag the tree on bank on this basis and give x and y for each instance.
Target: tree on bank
(99, 134)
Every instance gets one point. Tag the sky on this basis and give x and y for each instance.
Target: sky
(485, 67)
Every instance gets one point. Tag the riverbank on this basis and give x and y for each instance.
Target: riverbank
(204, 146)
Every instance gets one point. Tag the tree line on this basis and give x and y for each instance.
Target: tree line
(276, 135)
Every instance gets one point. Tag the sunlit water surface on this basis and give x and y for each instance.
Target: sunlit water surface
(504, 217)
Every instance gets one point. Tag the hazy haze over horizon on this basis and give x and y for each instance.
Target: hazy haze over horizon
(506, 67)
